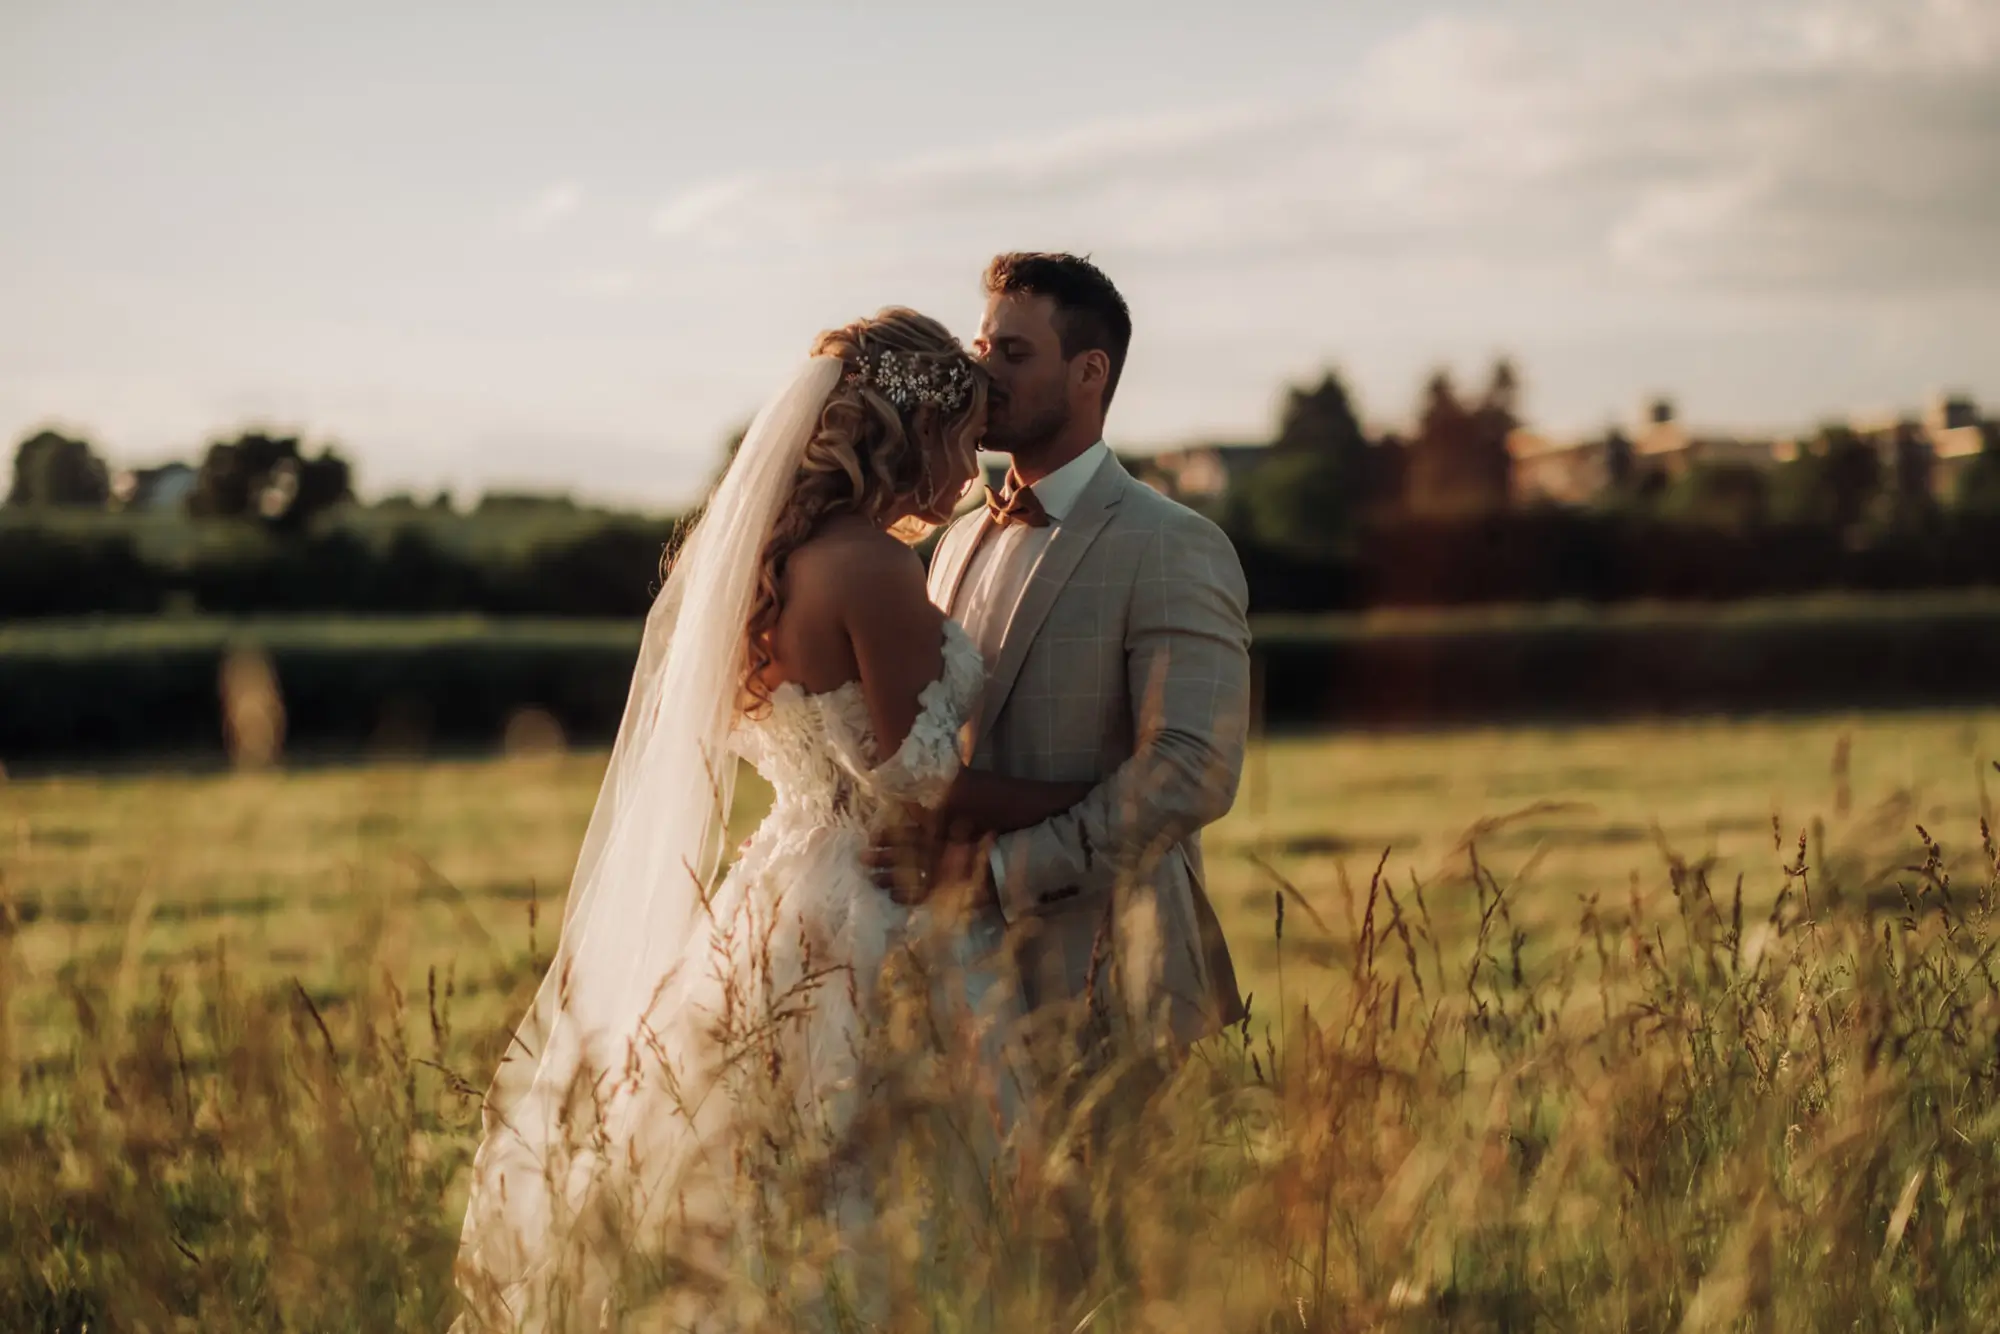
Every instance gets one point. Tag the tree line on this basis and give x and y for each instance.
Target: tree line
(1323, 481)
(257, 476)
(1327, 516)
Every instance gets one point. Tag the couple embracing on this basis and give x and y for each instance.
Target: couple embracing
(988, 787)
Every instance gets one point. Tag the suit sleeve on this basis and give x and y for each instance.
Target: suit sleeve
(1187, 657)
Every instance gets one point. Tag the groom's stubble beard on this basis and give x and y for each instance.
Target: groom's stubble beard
(1030, 439)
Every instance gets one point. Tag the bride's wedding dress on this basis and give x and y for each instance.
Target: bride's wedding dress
(755, 1054)
(807, 931)
(691, 1110)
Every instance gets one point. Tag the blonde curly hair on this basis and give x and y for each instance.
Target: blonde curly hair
(868, 457)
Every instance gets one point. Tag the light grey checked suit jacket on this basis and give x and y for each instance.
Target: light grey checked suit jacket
(1126, 664)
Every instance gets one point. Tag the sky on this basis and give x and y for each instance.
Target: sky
(571, 246)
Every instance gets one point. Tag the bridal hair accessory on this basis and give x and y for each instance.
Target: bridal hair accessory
(909, 378)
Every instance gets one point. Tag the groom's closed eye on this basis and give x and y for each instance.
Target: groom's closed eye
(1011, 349)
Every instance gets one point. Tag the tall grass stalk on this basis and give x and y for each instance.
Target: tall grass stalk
(1677, 1112)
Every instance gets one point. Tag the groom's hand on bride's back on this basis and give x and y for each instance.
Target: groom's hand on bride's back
(898, 863)
(913, 863)
(900, 858)
(961, 867)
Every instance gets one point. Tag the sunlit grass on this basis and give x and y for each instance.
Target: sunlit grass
(238, 1009)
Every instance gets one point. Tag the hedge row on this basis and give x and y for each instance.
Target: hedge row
(153, 688)
(232, 569)
(71, 695)
(500, 566)
(1784, 657)
(1547, 555)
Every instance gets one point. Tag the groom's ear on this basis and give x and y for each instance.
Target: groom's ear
(1092, 369)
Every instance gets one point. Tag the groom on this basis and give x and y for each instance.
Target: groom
(1117, 648)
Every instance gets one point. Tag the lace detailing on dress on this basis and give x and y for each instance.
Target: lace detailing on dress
(819, 752)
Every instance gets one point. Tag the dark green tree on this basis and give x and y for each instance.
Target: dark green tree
(1978, 488)
(1320, 418)
(55, 470)
(1321, 475)
(1835, 481)
(1914, 494)
(1458, 462)
(1731, 496)
(267, 478)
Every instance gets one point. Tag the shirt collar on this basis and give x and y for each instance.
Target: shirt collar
(1061, 489)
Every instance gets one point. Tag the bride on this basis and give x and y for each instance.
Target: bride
(703, 1032)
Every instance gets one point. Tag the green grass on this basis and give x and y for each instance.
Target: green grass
(1552, 1088)
(288, 866)
(281, 862)
(1593, 806)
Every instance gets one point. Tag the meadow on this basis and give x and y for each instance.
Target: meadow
(1638, 1026)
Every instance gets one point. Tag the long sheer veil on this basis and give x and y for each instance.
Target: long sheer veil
(649, 856)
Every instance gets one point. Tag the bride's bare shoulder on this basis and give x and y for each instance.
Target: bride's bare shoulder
(846, 560)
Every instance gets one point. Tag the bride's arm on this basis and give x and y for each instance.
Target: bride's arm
(896, 634)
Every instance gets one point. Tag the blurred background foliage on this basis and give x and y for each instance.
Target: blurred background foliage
(1461, 566)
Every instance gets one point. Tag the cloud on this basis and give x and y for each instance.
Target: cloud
(1832, 148)
(550, 208)
(605, 284)
(1863, 158)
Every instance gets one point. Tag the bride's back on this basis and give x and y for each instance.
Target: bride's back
(848, 559)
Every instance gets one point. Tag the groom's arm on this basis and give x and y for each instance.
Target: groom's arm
(1187, 654)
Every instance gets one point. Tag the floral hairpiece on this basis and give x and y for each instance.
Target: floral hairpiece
(909, 378)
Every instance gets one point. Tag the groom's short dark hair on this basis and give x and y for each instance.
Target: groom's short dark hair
(1090, 315)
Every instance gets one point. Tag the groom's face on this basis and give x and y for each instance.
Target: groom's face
(1018, 344)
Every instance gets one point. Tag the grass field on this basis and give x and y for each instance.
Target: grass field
(445, 858)
(425, 877)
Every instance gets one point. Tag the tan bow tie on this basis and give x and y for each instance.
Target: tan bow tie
(1015, 503)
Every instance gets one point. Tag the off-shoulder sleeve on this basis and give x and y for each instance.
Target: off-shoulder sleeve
(924, 765)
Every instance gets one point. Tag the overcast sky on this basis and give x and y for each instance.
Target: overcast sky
(571, 245)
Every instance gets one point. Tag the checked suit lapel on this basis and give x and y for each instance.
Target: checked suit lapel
(1072, 538)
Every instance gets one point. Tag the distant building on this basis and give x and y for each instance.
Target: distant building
(1952, 452)
(1661, 449)
(1660, 434)
(161, 490)
(1956, 434)
(1931, 451)
(1549, 472)
(1201, 472)
(1664, 445)
(1734, 449)
(1951, 412)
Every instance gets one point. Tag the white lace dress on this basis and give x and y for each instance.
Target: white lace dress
(799, 891)
(724, 1158)
(757, 1064)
